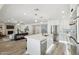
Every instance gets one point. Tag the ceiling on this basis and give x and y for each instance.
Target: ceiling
(28, 13)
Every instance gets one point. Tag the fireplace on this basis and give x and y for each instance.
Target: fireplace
(10, 32)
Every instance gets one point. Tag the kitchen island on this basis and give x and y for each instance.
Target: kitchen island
(36, 44)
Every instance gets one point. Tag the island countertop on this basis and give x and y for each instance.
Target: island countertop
(36, 36)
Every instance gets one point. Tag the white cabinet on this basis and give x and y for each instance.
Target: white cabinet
(36, 45)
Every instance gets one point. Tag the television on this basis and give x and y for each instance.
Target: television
(10, 27)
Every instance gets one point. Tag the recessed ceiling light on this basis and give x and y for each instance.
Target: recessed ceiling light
(8, 20)
(35, 20)
(70, 15)
(63, 12)
(18, 24)
(24, 13)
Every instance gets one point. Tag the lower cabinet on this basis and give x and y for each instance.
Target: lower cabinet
(36, 47)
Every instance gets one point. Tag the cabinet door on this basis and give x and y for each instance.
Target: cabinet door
(33, 46)
(43, 47)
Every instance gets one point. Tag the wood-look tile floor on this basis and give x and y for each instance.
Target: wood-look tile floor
(12, 47)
